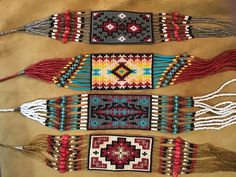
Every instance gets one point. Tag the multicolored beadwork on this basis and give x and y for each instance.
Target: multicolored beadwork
(121, 71)
(125, 27)
(120, 153)
(66, 152)
(64, 113)
(119, 112)
(179, 158)
(100, 112)
(107, 152)
(76, 74)
(111, 27)
(125, 71)
(167, 114)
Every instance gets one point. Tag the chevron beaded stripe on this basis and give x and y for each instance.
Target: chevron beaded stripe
(126, 71)
(167, 114)
(110, 152)
(126, 27)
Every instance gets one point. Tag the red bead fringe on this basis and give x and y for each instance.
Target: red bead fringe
(201, 68)
(46, 69)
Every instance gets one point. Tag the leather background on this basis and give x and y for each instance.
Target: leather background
(19, 50)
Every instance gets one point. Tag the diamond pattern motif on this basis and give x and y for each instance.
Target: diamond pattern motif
(120, 153)
(121, 27)
(121, 71)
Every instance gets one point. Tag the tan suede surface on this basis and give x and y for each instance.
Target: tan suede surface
(20, 50)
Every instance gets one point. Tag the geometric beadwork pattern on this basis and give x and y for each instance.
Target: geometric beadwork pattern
(113, 27)
(120, 153)
(119, 112)
(121, 71)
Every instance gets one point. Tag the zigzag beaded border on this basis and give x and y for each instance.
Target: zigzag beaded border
(165, 113)
(82, 74)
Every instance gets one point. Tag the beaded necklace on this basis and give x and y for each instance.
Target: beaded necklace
(169, 156)
(120, 27)
(126, 71)
(168, 114)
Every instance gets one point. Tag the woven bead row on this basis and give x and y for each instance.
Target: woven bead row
(68, 26)
(173, 71)
(174, 27)
(70, 68)
(65, 153)
(179, 157)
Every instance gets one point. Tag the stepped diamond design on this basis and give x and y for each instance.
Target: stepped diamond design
(121, 71)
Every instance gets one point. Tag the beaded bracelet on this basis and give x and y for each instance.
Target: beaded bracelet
(124, 27)
(127, 153)
(168, 114)
(126, 71)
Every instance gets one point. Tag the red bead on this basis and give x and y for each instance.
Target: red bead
(178, 139)
(64, 143)
(62, 159)
(177, 156)
(61, 166)
(67, 18)
(176, 27)
(177, 148)
(64, 154)
(176, 33)
(62, 150)
(177, 143)
(64, 40)
(67, 12)
(62, 163)
(177, 152)
(65, 137)
(67, 28)
(176, 162)
(67, 32)
(62, 170)
(176, 167)
(175, 174)
(175, 14)
(64, 35)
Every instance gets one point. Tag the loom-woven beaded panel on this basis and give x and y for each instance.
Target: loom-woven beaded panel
(121, 71)
(110, 27)
(119, 112)
(120, 153)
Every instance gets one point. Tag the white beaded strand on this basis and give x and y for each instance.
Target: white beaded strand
(224, 112)
(35, 110)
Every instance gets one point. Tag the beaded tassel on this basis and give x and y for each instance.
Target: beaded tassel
(167, 156)
(73, 73)
(169, 70)
(76, 74)
(168, 114)
(178, 27)
(177, 156)
(126, 71)
(119, 27)
(68, 26)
